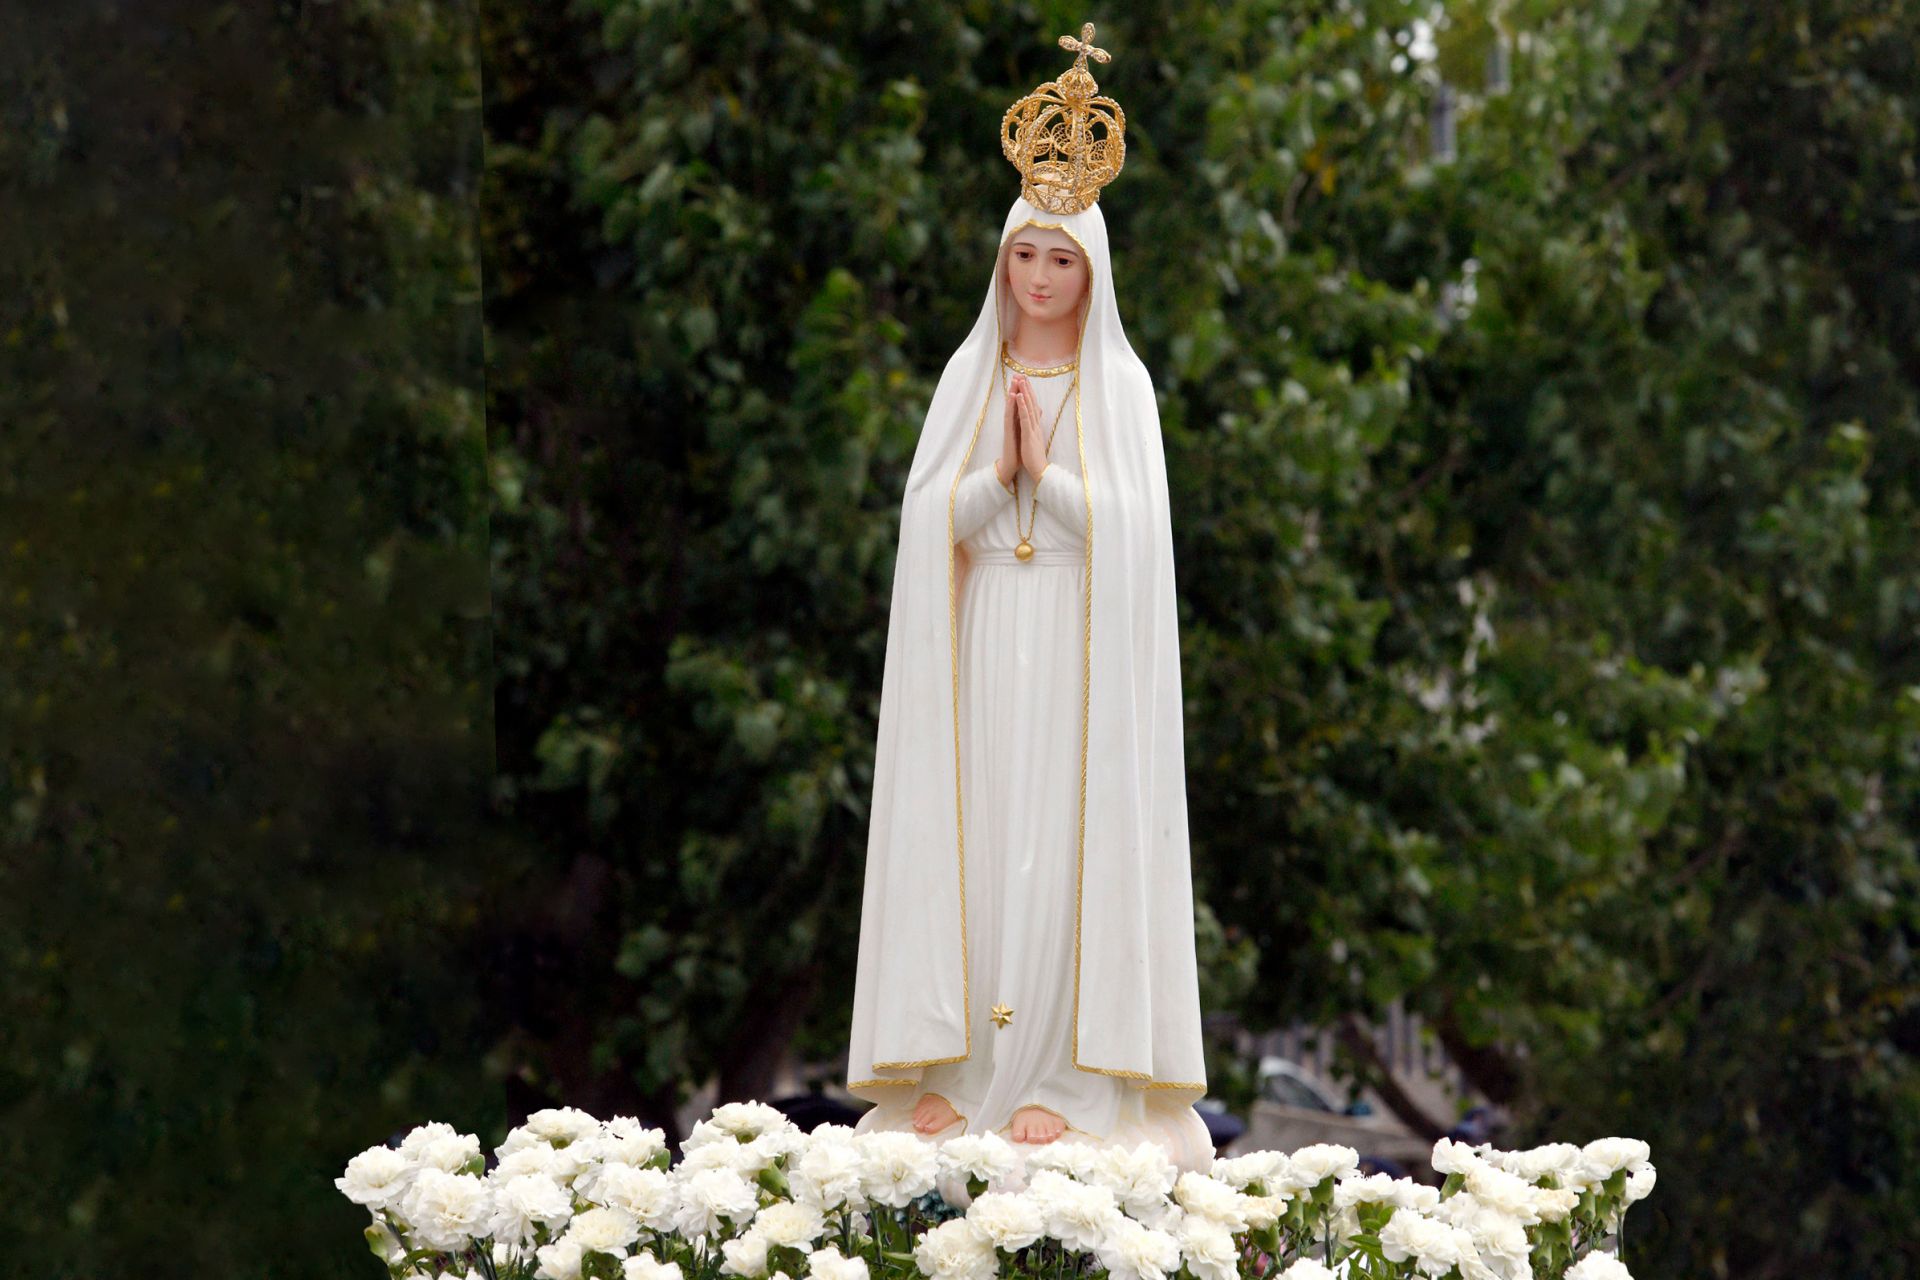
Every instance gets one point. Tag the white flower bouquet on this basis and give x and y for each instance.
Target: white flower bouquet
(753, 1198)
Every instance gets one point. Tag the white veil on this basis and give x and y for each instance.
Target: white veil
(1137, 990)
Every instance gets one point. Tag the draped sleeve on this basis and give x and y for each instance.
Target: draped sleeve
(975, 501)
(1059, 490)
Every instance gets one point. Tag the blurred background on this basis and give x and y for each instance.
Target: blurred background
(450, 459)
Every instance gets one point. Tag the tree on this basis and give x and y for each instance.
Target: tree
(243, 707)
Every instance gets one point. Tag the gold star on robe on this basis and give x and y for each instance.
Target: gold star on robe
(1001, 1015)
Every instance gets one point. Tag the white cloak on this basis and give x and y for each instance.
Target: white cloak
(1133, 1003)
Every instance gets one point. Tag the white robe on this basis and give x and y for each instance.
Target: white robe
(1020, 687)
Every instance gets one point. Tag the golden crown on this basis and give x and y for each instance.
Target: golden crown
(1049, 135)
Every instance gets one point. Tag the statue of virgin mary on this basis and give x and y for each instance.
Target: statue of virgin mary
(1026, 959)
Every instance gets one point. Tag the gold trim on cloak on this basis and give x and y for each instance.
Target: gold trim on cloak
(959, 811)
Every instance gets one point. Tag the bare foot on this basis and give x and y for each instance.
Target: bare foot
(1037, 1125)
(933, 1113)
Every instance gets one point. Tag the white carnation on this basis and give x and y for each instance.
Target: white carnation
(524, 1202)
(537, 1157)
(604, 1231)
(986, 1156)
(1308, 1167)
(569, 1162)
(420, 1135)
(1598, 1266)
(1079, 1216)
(1603, 1157)
(447, 1210)
(829, 1264)
(897, 1168)
(627, 1141)
(1505, 1192)
(734, 1157)
(630, 1131)
(377, 1178)
(560, 1126)
(1306, 1269)
(1208, 1248)
(1264, 1211)
(794, 1225)
(746, 1158)
(1554, 1203)
(559, 1260)
(736, 1122)
(1266, 1167)
(1140, 1178)
(1135, 1251)
(647, 1194)
(1557, 1160)
(1210, 1198)
(1639, 1182)
(710, 1196)
(1499, 1237)
(1074, 1159)
(1010, 1222)
(449, 1152)
(746, 1255)
(644, 1266)
(1435, 1247)
(828, 1173)
(1450, 1156)
(1376, 1188)
(956, 1250)
(1379, 1188)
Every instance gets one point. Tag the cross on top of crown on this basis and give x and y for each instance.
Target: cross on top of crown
(1084, 47)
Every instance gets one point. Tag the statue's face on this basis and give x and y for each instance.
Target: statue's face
(1047, 273)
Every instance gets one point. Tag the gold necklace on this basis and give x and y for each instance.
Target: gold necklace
(1024, 552)
(1035, 371)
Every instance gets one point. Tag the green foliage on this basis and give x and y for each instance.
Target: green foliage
(1544, 520)
(243, 729)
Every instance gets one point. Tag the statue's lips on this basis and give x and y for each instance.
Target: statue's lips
(1039, 297)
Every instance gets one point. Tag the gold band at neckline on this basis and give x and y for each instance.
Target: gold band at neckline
(1036, 371)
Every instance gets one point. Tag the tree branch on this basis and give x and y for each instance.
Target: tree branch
(1358, 1039)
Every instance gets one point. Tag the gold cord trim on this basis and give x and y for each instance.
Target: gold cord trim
(1175, 1084)
(1114, 1071)
(876, 1084)
(924, 1062)
(1086, 676)
(1036, 371)
(959, 804)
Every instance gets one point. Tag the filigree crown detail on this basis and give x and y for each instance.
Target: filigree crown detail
(1066, 142)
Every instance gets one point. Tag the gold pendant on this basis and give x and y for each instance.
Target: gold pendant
(1024, 551)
